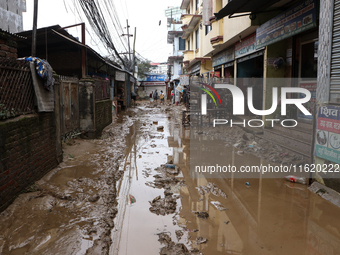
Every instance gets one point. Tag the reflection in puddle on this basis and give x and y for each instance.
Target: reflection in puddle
(243, 216)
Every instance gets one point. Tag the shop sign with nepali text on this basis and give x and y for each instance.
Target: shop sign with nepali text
(297, 19)
(327, 140)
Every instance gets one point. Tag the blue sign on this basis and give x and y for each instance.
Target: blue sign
(293, 21)
(156, 77)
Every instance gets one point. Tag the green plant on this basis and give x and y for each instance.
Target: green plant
(6, 113)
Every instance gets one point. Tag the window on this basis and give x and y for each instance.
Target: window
(181, 44)
(197, 38)
(189, 44)
(207, 29)
(197, 4)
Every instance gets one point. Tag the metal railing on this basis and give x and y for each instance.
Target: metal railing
(16, 88)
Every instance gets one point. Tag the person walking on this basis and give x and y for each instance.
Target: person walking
(155, 95)
(161, 96)
(151, 97)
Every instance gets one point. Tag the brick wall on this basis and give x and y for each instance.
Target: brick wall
(103, 115)
(8, 46)
(27, 152)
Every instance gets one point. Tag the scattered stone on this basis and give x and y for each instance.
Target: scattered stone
(160, 128)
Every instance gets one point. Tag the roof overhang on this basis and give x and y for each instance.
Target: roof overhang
(187, 30)
(185, 4)
(152, 83)
(195, 60)
(244, 6)
(171, 59)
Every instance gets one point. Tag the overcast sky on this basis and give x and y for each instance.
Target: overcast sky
(151, 39)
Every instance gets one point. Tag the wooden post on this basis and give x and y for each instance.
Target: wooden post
(34, 31)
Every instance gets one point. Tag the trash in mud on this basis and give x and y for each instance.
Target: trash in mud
(163, 206)
(226, 222)
(240, 153)
(218, 205)
(211, 188)
(297, 179)
(155, 122)
(169, 166)
(160, 128)
(247, 184)
(131, 199)
(200, 240)
(202, 215)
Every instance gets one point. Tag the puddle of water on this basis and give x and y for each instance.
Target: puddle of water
(269, 216)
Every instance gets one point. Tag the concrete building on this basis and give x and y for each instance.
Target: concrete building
(11, 15)
(175, 38)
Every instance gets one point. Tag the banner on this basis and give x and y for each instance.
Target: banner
(293, 21)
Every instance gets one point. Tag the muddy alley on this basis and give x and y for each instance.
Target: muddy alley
(131, 192)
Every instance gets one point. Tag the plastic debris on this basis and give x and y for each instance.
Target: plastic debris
(131, 199)
(247, 184)
(170, 166)
(297, 179)
(218, 205)
(200, 240)
(240, 153)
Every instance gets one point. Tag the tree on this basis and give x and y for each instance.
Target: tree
(144, 67)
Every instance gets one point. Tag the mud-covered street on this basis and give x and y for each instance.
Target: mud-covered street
(131, 192)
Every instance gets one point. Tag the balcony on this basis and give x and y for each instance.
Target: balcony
(216, 32)
(185, 4)
(190, 21)
(172, 35)
(188, 55)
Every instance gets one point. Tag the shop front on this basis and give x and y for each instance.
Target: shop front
(250, 69)
(223, 64)
(291, 39)
(120, 90)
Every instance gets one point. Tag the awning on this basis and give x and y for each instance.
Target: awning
(241, 6)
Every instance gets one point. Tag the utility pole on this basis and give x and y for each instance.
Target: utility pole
(128, 35)
(34, 31)
(134, 52)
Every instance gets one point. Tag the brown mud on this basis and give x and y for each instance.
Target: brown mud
(115, 196)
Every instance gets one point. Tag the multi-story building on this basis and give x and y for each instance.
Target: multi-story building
(288, 43)
(175, 38)
(159, 68)
(195, 61)
(11, 15)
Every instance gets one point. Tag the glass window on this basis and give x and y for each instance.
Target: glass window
(207, 29)
(197, 4)
(197, 38)
(181, 44)
(189, 44)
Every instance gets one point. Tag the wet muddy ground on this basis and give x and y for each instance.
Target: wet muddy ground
(115, 195)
